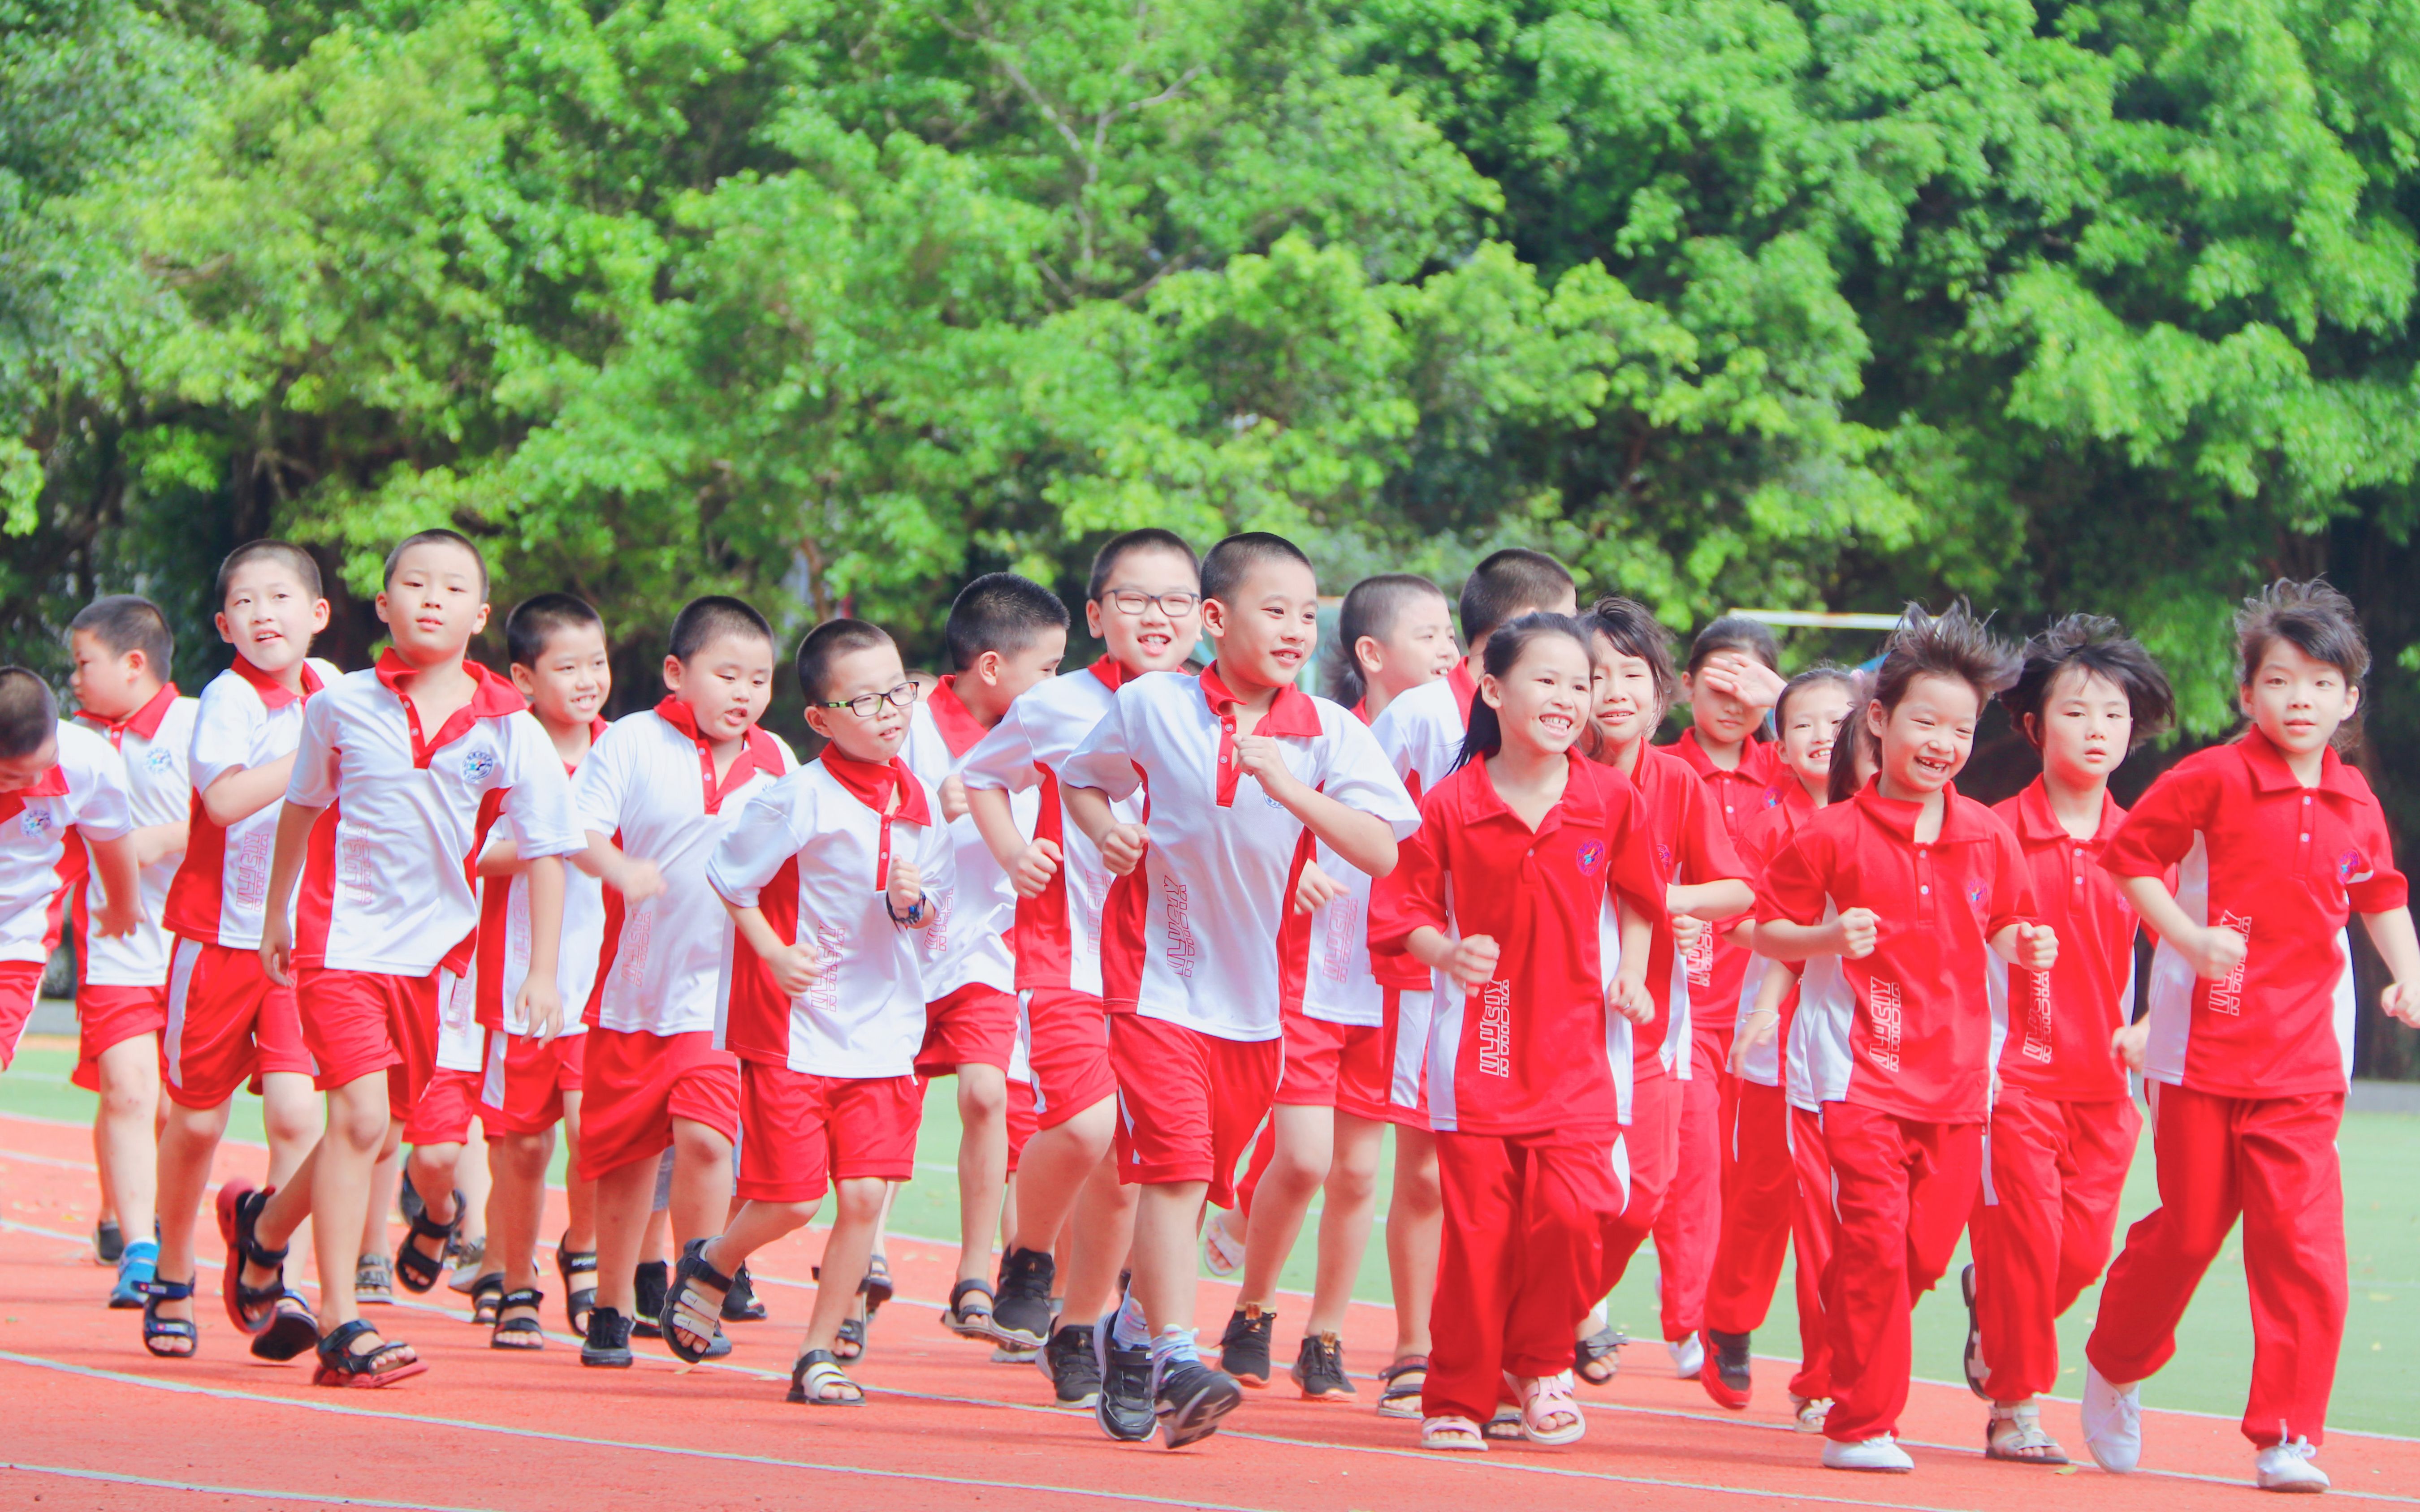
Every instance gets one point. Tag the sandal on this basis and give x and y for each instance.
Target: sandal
(876, 1288)
(851, 1343)
(968, 1313)
(373, 1281)
(155, 1329)
(579, 1297)
(415, 1267)
(691, 1318)
(383, 1364)
(1452, 1432)
(487, 1298)
(469, 1259)
(2015, 1434)
(1544, 1398)
(1810, 1411)
(1597, 1358)
(816, 1374)
(293, 1331)
(1222, 1253)
(250, 1308)
(1505, 1425)
(518, 1333)
(1400, 1385)
(741, 1304)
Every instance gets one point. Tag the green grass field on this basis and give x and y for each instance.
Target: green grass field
(2378, 1388)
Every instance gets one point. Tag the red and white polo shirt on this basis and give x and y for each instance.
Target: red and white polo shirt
(1342, 986)
(2060, 1022)
(1735, 796)
(1691, 848)
(153, 742)
(503, 951)
(42, 830)
(245, 718)
(979, 913)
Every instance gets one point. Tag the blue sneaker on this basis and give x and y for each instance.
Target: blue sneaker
(136, 1268)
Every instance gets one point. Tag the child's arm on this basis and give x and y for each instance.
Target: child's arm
(1470, 961)
(294, 824)
(794, 966)
(2213, 952)
(1851, 935)
(541, 994)
(240, 795)
(2030, 946)
(115, 863)
(1763, 1020)
(2392, 932)
(1029, 864)
(1121, 845)
(156, 843)
(1693, 907)
(1365, 840)
(1629, 995)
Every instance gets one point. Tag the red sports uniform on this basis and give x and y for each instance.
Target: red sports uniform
(970, 1015)
(42, 829)
(122, 983)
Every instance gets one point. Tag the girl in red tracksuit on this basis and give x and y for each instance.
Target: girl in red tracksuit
(1522, 851)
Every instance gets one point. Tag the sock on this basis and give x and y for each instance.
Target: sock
(1129, 1329)
(1172, 1345)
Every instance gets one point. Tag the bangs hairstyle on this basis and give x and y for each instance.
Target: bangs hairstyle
(2090, 644)
(1953, 644)
(1150, 538)
(1372, 607)
(1822, 674)
(703, 621)
(531, 627)
(1856, 741)
(1734, 632)
(1483, 736)
(125, 622)
(29, 713)
(827, 644)
(302, 564)
(999, 611)
(1635, 632)
(1228, 563)
(2312, 617)
(439, 536)
(1515, 580)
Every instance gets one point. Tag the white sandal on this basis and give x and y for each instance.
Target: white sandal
(1222, 1253)
(1810, 1412)
(1544, 1398)
(1451, 1433)
(2015, 1435)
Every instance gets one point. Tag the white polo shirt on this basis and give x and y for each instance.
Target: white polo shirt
(503, 955)
(980, 912)
(245, 718)
(1058, 941)
(153, 743)
(1421, 729)
(815, 852)
(649, 783)
(386, 887)
(1204, 933)
(1339, 988)
(83, 797)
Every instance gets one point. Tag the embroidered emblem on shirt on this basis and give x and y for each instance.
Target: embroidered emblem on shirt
(2226, 994)
(1590, 856)
(37, 823)
(2352, 868)
(1180, 930)
(159, 759)
(2037, 1046)
(1496, 1029)
(478, 764)
(1882, 1009)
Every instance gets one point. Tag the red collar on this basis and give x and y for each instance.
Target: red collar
(492, 698)
(2270, 773)
(51, 784)
(1898, 816)
(959, 731)
(2038, 825)
(1751, 768)
(275, 695)
(1291, 713)
(873, 782)
(1583, 801)
(1361, 710)
(1458, 678)
(1113, 673)
(758, 753)
(144, 722)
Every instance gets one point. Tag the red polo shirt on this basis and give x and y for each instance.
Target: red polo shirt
(1691, 847)
(2060, 1021)
(1921, 1044)
(1735, 796)
(2284, 866)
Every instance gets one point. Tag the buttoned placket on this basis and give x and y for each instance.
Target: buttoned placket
(1923, 880)
(1228, 771)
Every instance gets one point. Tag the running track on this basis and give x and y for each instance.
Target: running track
(88, 1420)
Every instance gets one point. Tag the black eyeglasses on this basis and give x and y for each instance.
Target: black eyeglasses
(1134, 601)
(866, 705)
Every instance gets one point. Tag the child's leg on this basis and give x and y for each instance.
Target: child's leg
(580, 1193)
(1305, 1147)
(293, 1116)
(1866, 1294)
(2294, 1260)
(360, 1134)
(517, 1203)
(982, 1163)
(187, 1145)
(1164, 1273)
(2101, 1139)
(384, 1180)
(1059, 1159)
(1653, 1140)
(1099, 1243)
(2200, 1171)
(1755, 1235)
(1477, 1274)
(625, 1199)
(700, 1181)
(1690, 1222)
(1415, 1232)
(1811, 1230)
(432, 1170)
(471, 1173)
(124, 1131)
(1345, 1218)
(2017, 1257)
(1567, 1193)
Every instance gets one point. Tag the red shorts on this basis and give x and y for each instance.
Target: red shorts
(1069, 1046)
(975, 1025)
(638, 1083)
(1312, 1049)
(1022, 1116)
(804, 1132)
(522, 1089)
(442, 1115)
(357, 1023)
(1378, 1064)
(1188, 1102)
(227, 1025)
(18, 981)
(107, 1017)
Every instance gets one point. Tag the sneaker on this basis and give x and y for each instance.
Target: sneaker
(2113, 1423)
(2286, 1467)
(108, 1241)
(1124, 1405)
(607, 1343)
(1808, 1412)
(1880, 1454)
(1075, 1374)
(651, 1281)
(1014, 1354)
(1319, 1370)
(1976, 1371)
(470, 1259)
(1689, 1358)
(138, 1265)
(1244, 1349)
(1726, 1375)
(1020, 1309)
(1191, 1398)
(741, 1304)
(373, 1281)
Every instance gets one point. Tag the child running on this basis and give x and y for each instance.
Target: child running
(2276, 843)
(1519, 852)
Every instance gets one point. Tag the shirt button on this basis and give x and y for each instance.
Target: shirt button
(1924, 889)
(2305, 838)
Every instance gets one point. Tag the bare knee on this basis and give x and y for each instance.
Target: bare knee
(859, 1200)
(981, 1099)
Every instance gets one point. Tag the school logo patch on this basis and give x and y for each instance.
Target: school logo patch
(159, 759)
(37, 824)
(478, 764)
(2352, 868)
(1771, 798)
(1591, 857)
(1976, 893)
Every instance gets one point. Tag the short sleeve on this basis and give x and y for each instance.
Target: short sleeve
(1003, 759)
(313, 782)
(225, 722)
(2378, 886)
(1796, 884)
(1707, 854)
(1632, 842)
(1105, 758)
(541, 811)
(1358, 776)
(2012, 883)
(101, 793)
(1414, 893)
(603, 779)
(763, 840)
(2159, 830)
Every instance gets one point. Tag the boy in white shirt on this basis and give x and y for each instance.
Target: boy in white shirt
(834, 879)
(1206, 943)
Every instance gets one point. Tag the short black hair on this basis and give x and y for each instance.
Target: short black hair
(435, 536)
(1857, 739)
(29, 713)
(827, 644)
(2312, 617)
(1483, 733)
(1515, 580)
(1953, 644)
(2093, 645)
(1228, 563)
(1734, 632)
(1634, 631)
(999, 611)
(703, 621)
(128, 621)
(305, 567)
(1822, 673)
(1370, 608)
(531, 625)
(1149, 538)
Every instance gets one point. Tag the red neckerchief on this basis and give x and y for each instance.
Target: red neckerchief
(144, 722)
(1458, 678)
(959, 731)
(1291, 713)
(1113, 673)
(872, 783)
(51, 784)
(756, 753)
(492, 698)
(275, 695)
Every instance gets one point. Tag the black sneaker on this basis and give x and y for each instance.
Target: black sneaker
(108, 1241)
(1020, 1309)
(1074, 1375)
(607, 1344)
(1192, 1399)
(1124, 1406)
(1726, 1375)
(1319, 1370)
(652, 1279)
(1976, 1371)
(741, 1304)
(1244, 1349)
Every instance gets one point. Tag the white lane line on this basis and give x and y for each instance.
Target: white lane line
(315, 1498)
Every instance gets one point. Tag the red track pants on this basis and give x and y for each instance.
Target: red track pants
(2052, 1173)
(1526, 1221)
(2274, 1161)
(1653, 1140)
(1902, 1192)
(1762, 1206)
(1691, 1225)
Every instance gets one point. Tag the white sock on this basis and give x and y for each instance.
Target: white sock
(1129, 1329)
(1172, 1345)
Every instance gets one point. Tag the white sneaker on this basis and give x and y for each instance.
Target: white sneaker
(1688, 1357)
(1880, 1454)
(2286, 1467)
(2113, 1423)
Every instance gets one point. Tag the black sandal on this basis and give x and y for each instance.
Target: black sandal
(1400, 1386)
(418, 1269)
(156, 1328)
(579, 1297)
(852, 1334)
(250, 1308)
(690, 1322)
(1597, 1358)
(293, 1331)
(741, 1304)
(813, 1372)
(487, 1298)
(341, 1365)
(876, 1284)
(607, 1343)
(968, 1313)
(518, 1333)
